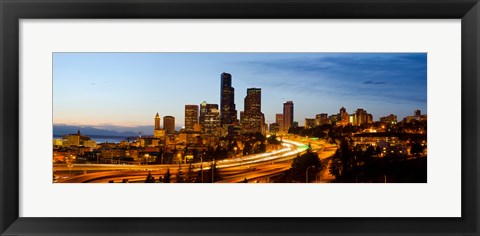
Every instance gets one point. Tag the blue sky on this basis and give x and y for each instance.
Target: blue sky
(127, 89)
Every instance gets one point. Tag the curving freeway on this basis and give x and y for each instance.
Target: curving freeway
(250, 167)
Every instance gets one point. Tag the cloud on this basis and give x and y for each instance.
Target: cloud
(342, 64)
(374, 82)
(392, 77)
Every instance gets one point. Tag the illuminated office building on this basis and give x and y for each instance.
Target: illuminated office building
(169, 124)
(252, 118)
(191, 117)
(228, 113)
(287, 115)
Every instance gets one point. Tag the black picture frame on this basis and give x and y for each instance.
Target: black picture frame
(12, 11)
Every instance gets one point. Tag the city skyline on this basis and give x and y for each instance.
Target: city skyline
(127, 89)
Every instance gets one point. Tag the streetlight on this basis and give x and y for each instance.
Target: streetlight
(70, 165)
(306, 173)
(201, 166)
(147, 156)
(211, 168)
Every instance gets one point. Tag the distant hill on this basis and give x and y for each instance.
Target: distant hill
(59, 130)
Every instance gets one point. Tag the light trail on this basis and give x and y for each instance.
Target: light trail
(107, 172)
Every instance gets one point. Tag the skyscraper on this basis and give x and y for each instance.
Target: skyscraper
(209, 117)
(287, 115)
(274, 128)
(343, 117)
(228, 114)
(253, 101)
(252, 119)
(157, 122)
(280, 121)
(191, 116)
(361, 116)
(309, 123)
(321, 119)
(169, 124)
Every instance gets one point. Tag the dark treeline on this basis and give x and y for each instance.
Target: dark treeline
(350, 165)
(298, 170)
(187, 176)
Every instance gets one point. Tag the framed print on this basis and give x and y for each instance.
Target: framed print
(160, 117)
(164, 158)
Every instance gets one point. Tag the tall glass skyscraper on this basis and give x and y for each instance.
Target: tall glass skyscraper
(287, 115)
(209, 117)
(169, 124)
(253, 118)
(228, 113)
(191, 116)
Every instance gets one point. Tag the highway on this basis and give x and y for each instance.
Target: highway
(250, 167)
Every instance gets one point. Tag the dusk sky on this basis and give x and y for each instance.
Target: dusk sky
(128, 89)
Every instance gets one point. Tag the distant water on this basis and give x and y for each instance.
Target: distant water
(102, 139)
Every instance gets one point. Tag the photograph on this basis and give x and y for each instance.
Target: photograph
(239, 117)
(160, 117)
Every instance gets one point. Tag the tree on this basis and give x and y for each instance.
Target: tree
(247, 148)
(149, 178)
(273, 140)
(343, 162)
(259, 137)
(190, 175)
(300, 165)
(416, 148)
(370, 151)
(336, 165)
(261, 148)
(167, 177)
(200, 175)
(179, 178)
